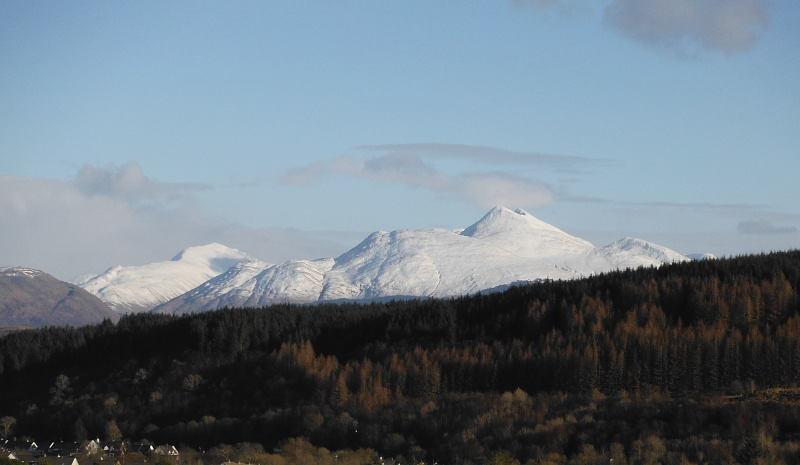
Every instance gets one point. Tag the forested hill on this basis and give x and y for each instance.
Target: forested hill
(346, 375)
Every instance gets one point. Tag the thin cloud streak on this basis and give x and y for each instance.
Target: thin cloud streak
(479, 189)
(719, 207)
(764, 227)
(728, 209)
(718, 210)
(491, 155)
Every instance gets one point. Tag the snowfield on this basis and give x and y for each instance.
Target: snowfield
(502, 248)
(139, 288)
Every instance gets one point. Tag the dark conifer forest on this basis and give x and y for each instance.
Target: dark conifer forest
(688, 363)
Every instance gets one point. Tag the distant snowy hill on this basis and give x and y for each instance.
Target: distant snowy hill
(139, 288)
(503, 247)
(34, 298)
(633, 253)
(254, 283)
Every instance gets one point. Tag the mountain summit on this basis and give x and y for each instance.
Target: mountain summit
(139, 288)
(502, 221)
(31, 297)
(523, 234)
(502, 248)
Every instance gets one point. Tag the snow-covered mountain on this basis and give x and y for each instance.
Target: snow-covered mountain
(139, 288)
(254, 283)
(632, 252)
(503, 247)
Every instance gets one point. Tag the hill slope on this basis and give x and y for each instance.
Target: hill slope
(31, 297)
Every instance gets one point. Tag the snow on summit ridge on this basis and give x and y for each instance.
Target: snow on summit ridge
(502, 220)
(523, 234)
(632, 252)
(504, 247)
(215, 255)
(138, 288)
(10, 271)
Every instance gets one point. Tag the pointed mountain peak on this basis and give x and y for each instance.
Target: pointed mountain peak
(503, 220)
(524, 235)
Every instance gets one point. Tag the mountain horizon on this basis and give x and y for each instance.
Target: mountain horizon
(503, 248)
(137, 288)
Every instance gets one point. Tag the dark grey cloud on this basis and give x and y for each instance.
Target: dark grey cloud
(764, 227)
(690, 27)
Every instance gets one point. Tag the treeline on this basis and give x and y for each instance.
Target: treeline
(539, 371)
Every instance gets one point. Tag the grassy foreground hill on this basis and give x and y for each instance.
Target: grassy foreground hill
(34, 298)
(696, 362)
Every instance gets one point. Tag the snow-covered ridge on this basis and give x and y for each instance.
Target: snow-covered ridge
(633, 252)
(502, 248)
(136, 288)
(10, 271)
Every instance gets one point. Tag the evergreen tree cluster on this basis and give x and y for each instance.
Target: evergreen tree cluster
(690, 360)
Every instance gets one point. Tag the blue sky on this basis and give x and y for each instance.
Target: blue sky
(291, 129)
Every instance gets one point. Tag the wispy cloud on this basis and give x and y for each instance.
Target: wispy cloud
(690, 27)
(407, 169)
(484, 189)
(729, 210)
(764, 227)
(480, 189)
(491, 155)
(129, 183)
(490, 189)
(721, 209)
(118, 215)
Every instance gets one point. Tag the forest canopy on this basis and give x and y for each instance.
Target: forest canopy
(699, 357)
